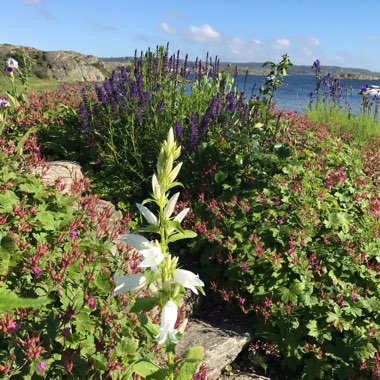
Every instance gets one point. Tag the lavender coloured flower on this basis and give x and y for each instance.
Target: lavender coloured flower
(231, 104)
(145, 99)
(178, 130)
(193, 132)
(4, 103)
(65, 332)
(160, 106)
(316, 65)
(216, 107)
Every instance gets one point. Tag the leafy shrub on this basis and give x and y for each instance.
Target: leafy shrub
(51, 249)
(123, 119)
(291, 236)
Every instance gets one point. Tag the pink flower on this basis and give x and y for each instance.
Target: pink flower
(37, 271)
(41, 367)
(73, 234)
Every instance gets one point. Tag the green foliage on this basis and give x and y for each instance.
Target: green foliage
(56, 269)
(287, 239)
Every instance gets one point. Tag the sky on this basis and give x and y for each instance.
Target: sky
(337, 32)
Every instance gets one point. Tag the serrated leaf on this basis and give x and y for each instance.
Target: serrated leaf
(46, 220)
(8, 201)
(313, 328)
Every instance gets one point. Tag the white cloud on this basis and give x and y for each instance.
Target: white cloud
(165, 27)
(205, 33)
(33, 2)
(281, 43)
(312, 42)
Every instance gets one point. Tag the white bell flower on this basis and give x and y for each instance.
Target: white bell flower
(129, 283)
(187, 279)
(147, 214)
(152, 254)
(168, 320)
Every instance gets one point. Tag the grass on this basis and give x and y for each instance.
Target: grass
(362, 128)
(35, 85)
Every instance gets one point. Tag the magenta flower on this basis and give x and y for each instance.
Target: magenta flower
(37, 271)
(73, 234)
(41, 367)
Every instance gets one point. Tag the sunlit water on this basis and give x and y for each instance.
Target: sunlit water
(293, 95)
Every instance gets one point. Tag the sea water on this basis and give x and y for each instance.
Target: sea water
(294, 94)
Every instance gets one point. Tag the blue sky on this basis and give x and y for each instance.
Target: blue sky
(338, 32)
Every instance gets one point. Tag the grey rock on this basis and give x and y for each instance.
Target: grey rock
(67, 176)
(59, 65)
(70, 65)
(221, 344)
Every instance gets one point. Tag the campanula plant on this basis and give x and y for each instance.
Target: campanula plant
(159, 269)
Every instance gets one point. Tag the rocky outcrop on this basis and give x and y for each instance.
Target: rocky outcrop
(59, 65)
(70, 65)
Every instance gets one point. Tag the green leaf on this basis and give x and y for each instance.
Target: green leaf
(313, 328)
(10, 300)
(297, 287)
(144, 304)
(147, 324)
(46, 220)
(145, 368)
(189, 364)
(220, 176)
(8, 201)
(84, 323)
(187, 234)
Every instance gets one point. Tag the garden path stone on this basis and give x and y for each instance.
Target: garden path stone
(66, 176)
(222, 344)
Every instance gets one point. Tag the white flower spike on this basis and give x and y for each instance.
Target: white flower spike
(129, 283)
(168, 320)
(147, 214)
(187, 279)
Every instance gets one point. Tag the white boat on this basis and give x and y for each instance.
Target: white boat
(370, 90)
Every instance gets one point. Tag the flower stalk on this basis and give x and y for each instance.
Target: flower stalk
(169, 280)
